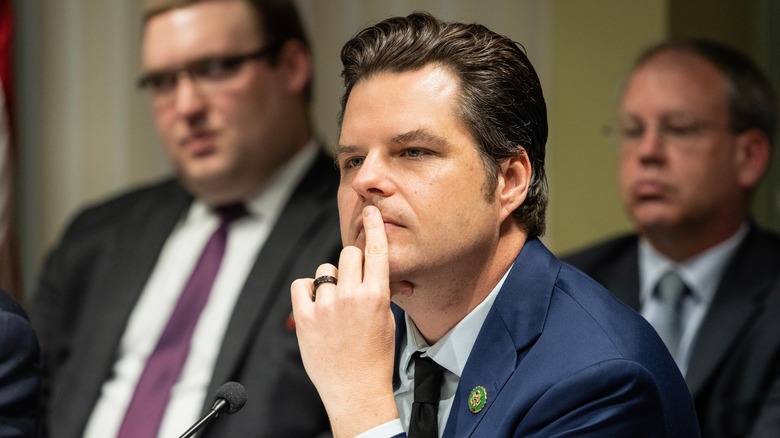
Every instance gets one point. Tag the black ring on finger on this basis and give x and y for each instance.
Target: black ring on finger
(319, 281)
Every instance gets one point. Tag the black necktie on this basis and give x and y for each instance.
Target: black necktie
(424, 421)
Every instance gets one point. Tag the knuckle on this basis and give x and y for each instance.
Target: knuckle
(374, 249)
(325, 268)
(350, 251)
(299, 283)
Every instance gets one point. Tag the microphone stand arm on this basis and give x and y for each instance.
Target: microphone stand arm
(218, 407)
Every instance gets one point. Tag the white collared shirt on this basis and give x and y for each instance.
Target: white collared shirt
(451, 352)
(177, 259)
(701, 274)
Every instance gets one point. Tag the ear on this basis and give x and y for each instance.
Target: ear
(752, 157)
(296, 63)
(514, 178)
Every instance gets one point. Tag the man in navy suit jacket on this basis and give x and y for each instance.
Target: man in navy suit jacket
(442, 202)
(19, 372)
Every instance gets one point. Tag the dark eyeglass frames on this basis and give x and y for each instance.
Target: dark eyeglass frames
(207, 70)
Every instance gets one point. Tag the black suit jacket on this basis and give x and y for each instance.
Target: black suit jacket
(734, 370)
(19, 372)
(95, 276)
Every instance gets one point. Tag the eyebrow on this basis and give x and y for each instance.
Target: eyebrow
(420, 135)
(185, 63)
(341, 150)
(417, 135)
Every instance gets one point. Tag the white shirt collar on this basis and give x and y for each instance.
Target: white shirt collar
(269, 201)
(279, 188)
(453, 349)
(701, 273)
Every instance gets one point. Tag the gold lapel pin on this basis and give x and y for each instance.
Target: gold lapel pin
(477, 399)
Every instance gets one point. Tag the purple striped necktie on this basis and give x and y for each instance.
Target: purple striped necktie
(147, 407)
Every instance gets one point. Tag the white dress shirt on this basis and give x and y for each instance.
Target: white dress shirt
(451, 352)
(177, 259)
(701, 274)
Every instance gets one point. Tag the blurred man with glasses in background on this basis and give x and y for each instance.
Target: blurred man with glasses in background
(154, 299)
(696, 123)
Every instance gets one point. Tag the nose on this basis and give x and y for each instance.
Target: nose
(374, 178)
(189, 98)
(650, 147)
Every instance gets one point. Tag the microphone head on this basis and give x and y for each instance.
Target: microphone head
(234, 394)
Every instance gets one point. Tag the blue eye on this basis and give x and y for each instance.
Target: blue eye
(351, 163)
(414, 153)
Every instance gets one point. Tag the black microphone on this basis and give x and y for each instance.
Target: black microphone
(230, 398)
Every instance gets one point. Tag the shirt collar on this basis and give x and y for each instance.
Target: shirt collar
(269, 201)
(279, 188)
(700, 273)
(453, 349)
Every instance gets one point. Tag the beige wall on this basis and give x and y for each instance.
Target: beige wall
(84, 131)
(593, 44)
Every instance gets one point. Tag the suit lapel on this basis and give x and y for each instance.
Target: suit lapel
(263, 285)
(140, 249)
(739, 297)
(132, 258)
(400, 332)
(313, 199)
(513, 324)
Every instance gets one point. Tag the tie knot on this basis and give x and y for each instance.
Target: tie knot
(671, 288)
(229, 213)
(427, 380)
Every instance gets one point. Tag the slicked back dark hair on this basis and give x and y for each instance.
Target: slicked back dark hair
(500, 101)
(752, 100)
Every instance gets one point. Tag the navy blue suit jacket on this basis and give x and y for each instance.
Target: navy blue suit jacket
(734, 370)
(19, 372)
(559, 356)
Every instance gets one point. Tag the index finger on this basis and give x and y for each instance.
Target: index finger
(376, 265)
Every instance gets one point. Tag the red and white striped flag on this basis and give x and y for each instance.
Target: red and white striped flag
(9, 263)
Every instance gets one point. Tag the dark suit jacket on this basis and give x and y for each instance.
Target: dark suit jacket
(95, 276)
(19, 372)
(734, 372)
(559, 356)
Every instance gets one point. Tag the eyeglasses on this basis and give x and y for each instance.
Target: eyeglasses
(670, 131)
(208, 70)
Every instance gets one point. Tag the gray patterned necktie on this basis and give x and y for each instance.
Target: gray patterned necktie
(670, 291)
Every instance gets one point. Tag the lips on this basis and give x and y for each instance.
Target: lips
(649, 189)
(199, 143)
